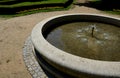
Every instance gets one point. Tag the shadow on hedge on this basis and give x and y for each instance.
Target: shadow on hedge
(10, 2)
(15, 10)
(102, 4)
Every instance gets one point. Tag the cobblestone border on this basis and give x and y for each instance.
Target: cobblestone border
(31, 62)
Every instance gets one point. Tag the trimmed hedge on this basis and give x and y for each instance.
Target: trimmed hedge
(106, 5)
(111, 3)
(13, 9)
(11, 2)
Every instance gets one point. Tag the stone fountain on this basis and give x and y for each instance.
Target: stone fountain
(78, 46)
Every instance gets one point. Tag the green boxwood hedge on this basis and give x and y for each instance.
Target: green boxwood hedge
(21, 6)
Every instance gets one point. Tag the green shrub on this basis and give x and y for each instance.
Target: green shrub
(17, 7)
(111, 3)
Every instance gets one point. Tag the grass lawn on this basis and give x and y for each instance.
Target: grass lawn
(114, 11)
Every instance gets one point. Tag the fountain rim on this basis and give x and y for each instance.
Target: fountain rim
(76, 63)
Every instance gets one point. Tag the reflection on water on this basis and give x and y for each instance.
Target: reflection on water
(55, 38)
(88, 39)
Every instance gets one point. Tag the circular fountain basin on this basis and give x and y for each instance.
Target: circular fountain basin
(62, 63)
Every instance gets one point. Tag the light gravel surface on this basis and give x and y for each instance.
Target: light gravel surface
(13, 34)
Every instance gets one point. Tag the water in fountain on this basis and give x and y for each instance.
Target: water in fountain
(92, 40)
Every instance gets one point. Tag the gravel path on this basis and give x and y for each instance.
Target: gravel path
(2, 19)
(14, 32)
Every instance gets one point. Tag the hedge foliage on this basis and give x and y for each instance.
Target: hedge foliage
(14, 6)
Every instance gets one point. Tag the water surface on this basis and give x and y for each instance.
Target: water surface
(88, 39)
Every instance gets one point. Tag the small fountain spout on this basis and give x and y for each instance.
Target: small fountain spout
(93, 28)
